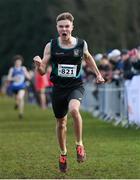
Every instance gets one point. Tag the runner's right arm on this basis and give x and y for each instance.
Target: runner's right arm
(9, 76)
(41, 64)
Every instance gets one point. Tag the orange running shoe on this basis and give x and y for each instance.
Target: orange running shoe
(81, 155)
(63, 163)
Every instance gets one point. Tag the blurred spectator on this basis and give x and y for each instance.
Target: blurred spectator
(114, 54)
(115, 61)
(98, 57)
(127, 65)
(135, 59)
(105, 68)
(40, 87)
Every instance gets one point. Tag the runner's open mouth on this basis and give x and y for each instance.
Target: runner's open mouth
(64, 34)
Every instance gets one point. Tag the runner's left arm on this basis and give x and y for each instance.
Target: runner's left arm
(91, 63)
(27, 74)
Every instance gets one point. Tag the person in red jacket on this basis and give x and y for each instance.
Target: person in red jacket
(40, 87)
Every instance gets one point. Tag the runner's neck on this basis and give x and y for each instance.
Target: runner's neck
(70, 43)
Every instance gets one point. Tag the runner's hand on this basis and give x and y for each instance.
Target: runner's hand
(99, 79)
(37, 60)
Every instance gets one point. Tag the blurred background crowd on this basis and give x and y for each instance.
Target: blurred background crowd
(119, 98)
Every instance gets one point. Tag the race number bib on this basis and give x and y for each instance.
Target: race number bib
(66, 70)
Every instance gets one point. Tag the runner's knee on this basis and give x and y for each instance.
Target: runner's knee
(61, 124)
(74, 111)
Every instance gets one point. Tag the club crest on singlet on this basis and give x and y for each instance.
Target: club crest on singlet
(66, 70)
(76, 52)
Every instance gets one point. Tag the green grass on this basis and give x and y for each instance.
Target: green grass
(28, 148)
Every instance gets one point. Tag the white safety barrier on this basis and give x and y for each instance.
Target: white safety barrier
(132, 88)
(117, 102)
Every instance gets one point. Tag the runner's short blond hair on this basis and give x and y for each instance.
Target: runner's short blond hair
(65, 16)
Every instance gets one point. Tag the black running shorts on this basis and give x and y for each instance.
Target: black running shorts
(61, 98)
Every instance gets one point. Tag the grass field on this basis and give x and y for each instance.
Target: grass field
(28, 148)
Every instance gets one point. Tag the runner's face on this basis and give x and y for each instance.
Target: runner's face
(64, 28)
(18, 63)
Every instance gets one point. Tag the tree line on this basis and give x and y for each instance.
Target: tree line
(26, 26)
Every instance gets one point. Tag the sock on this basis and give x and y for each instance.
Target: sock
(63, 152)
(80, 143)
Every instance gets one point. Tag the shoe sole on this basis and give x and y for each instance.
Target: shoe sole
(63, 171)
(81, 160)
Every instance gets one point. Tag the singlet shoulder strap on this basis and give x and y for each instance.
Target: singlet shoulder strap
(80, 42)
(53, 44)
